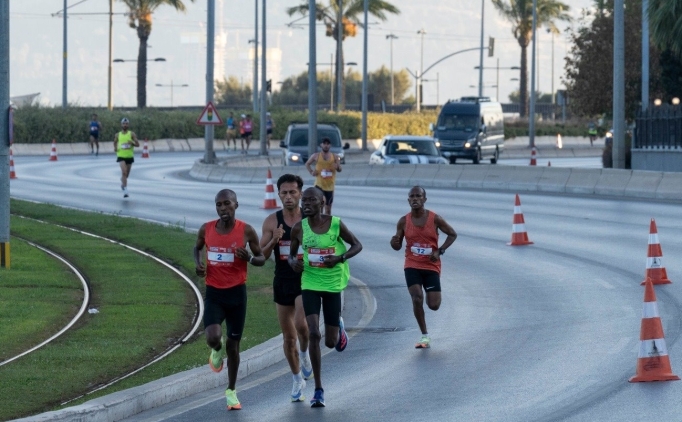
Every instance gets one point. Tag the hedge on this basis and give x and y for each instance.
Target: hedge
(42, 124)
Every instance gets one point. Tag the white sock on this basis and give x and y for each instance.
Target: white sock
(303, 354)
(297, 377)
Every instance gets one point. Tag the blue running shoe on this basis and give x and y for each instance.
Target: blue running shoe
(343, 337)
(318, 398)
(306, 368)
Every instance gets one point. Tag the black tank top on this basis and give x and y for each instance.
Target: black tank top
(282, 268)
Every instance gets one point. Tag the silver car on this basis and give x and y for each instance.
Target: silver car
(405, 149)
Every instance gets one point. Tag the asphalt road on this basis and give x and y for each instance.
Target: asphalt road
(536, 333)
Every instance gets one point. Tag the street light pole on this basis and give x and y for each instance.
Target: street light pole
(64, 63)
(645, 54)
(339, 60)
(480, 57)
(618, 85)
(497, 82)
(110, 104)
(312, 79)
(531, 129)
(421, 72)
(264, 82)
(209, 153)
(4, 135)
(364, 79)
(255, 60)
(392, 37)
(331, 82)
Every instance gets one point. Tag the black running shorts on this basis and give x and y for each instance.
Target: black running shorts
(285, 291)
(328, 195)
(227, 305)
(127, 160)
(430, 280)
(330, 302)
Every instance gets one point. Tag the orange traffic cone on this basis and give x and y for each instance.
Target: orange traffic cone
(12, 173)
(653, 363)
(655, 271)
(533, 157)
(270, 202)
(53, 152)
(519, 235)
(145, 151)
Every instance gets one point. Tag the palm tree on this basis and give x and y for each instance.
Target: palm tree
(348, 13)
(665, 22)
(520, 14)
(140, 19)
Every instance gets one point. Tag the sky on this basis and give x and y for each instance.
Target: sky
(36, 46)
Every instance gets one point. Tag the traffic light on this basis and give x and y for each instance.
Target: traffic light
(268, 86)
(491, 46)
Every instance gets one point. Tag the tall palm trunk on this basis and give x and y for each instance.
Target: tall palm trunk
(523, 77)
(143, 35)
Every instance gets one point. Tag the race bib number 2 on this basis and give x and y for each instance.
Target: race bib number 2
(220, 257)
(316, 256)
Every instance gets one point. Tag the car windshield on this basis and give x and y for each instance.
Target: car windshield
(411, 147)
(461, 122)
(299, 137)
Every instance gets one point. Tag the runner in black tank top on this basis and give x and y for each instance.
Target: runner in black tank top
(287, 283)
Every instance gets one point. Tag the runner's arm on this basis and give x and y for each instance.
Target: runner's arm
(308, 164)
(251, 238)
(397, 239)
(294, 262)
(337, 160)
(200, 269)
(134, 138)
(271, 235)
(348, 237)
(443, 226)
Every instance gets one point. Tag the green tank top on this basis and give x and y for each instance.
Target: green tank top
(125, 145)
(315, 246)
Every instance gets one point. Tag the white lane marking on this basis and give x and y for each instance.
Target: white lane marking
(605, 284)
(620, 346)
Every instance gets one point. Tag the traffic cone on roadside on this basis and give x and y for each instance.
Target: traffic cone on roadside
(519, 235)
(12, 173)
(653, 362)
(655, 271)
(145, 150)
(53, 152)
(270, 201)
(533, 158)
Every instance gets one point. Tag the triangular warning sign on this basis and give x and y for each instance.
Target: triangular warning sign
(209, 116)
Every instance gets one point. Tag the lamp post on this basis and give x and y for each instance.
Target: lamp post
(480, 57)
(392, 37)
(497, 68)
(172, 85)
(158, 59)
(255, 73)
(421, 72)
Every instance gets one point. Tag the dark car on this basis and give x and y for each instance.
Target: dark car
(405, 149)
(295, 143)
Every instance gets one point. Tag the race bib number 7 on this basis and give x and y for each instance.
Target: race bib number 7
(316, 256)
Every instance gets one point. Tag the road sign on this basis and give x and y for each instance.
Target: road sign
(209, 116)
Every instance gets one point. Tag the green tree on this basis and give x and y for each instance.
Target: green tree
(540, 97)
(665, 22)
(348, 14)
(520, 14)
(140, 19)
(589, 64)
(230, 92)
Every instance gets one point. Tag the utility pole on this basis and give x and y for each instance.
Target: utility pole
(618, 85)
(531, 119)
(645, 54)
(480, 58)
(255, 60)
(421, 72)
(364, 79)
(312, 79)
(392, 37)
(64, 64)
(339, 59)
(209, 154)
(4, 134)
(264, 82)
(110, 101)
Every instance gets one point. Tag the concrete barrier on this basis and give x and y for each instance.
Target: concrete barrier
(553, 179)
(670, 186)
(498, 177)
(472, 177)
(447, 176)
(390, 175)
(423, 175)
(612, 182)
(643, 184)
(582, 181)
(525, 178)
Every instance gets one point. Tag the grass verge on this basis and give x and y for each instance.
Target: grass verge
(143, 308)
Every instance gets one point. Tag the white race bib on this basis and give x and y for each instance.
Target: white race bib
(420, 250)
(326, 174)
(220, 257)
(316, 256)
(285, 249)
(125, 146)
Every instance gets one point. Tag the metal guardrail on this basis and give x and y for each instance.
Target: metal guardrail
(659, 127)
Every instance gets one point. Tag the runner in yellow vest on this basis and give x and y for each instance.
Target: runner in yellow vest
(124, 143)
(327, 164)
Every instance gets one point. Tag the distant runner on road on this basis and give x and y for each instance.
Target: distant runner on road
(325, 276)
(422, 256)
(327, 164)
(95, 128)
(286, 285)
(226, 240)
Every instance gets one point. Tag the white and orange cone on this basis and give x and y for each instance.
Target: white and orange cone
(270, 202)
(145, 150)
(12, 173)
(653, 362)
(519, 235)
(655, 271)
(533, 157)
(53, 152)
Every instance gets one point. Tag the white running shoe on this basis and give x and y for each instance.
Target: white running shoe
(297, 391)
(306, 368)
